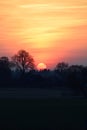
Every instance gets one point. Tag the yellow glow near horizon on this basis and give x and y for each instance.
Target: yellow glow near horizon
(41, 66)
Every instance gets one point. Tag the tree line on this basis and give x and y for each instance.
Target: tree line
(20, 71)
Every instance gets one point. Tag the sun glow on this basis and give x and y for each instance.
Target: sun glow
(41, 66)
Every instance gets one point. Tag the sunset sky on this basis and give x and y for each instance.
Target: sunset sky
(51, 30)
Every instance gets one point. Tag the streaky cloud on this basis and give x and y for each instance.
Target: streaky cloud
(51, 6)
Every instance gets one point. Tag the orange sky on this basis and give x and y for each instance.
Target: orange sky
(51, 30)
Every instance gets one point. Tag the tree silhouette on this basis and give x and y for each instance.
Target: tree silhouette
(4, 62)
(23, 61)
(5, 71)
(76, 78)
(62, 66)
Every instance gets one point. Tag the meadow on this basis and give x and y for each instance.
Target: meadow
(50, 113)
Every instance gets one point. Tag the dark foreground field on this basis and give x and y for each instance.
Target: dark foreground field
(53, 114)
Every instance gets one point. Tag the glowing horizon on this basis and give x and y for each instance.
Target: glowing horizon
(52, 31)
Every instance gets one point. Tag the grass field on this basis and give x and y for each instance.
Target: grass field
(53, 114)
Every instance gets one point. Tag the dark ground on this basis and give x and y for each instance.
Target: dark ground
(53, 114)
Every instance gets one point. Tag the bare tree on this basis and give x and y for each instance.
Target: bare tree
(23, 61)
